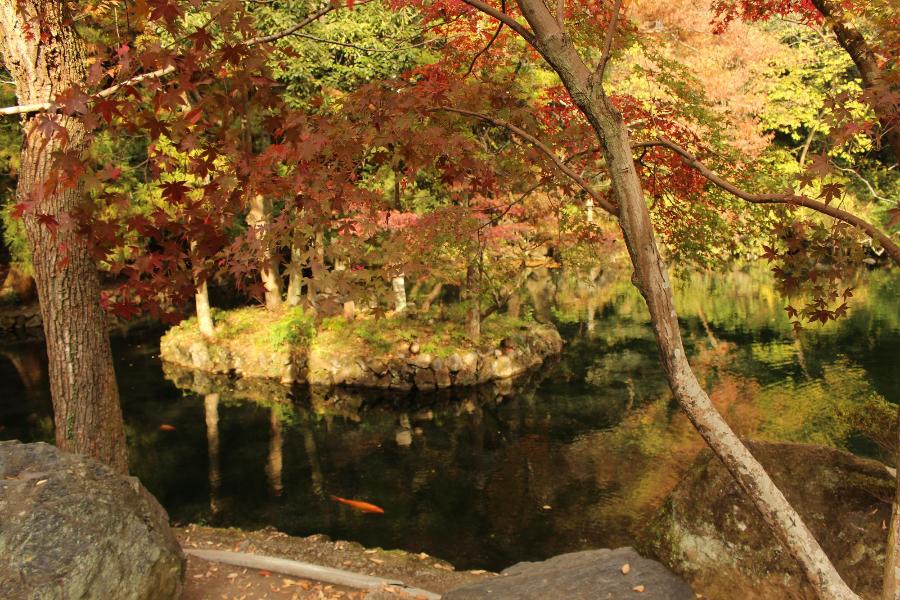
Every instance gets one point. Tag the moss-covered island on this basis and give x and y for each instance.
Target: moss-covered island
(397, 352)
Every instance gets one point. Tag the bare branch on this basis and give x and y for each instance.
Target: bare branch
(546, 150)
(607, 44)
(504, 18)
(791, 199)
(489, 44)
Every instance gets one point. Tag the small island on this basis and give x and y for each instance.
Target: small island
(401, 352)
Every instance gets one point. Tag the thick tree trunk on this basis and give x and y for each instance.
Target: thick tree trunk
(852, 40)
(652, 280)
(260, 219)
(42, 51)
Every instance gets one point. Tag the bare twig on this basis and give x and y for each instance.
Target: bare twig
(546, 150)
(489, 44)
(503, 17)
(607, 44)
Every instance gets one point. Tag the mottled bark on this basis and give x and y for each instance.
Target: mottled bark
(45, 56)
(651, 278)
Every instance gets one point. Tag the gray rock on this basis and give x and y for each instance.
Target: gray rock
(587, 575)
(72, 528)
(709, 533)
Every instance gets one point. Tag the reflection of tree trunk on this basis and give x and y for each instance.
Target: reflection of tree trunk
(709, 333)
(30, 367)
(801, 357)
(211, 404)
(260, 219)
(315, 466)
(274, 464)
(592, 313)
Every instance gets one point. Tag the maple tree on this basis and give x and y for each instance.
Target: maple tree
(458, 166)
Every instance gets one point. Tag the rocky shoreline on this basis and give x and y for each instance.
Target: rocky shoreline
(340, 358)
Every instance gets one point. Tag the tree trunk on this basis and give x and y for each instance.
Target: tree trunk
(851, 40)
(398, 284)
(652, 280)
(295, 271)
(473, 298)
(260, 219)
(431, 297)
(275, 463)
(201, 299)
(891, 589)
(45, 56)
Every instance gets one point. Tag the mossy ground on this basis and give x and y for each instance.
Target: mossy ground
(269, 331)
(436, 337)
(254, 327)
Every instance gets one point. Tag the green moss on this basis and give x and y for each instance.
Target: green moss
(295, 328)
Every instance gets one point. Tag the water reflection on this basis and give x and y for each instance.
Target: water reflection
(578, 454)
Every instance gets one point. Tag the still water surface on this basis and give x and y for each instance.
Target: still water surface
(577, 455)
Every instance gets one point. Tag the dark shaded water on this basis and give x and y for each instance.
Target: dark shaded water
(578, 455)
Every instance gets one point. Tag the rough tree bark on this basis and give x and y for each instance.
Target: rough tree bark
(650, 277)
(45, 57)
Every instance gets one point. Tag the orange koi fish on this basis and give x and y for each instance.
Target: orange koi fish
(358, 505)
(166, 427)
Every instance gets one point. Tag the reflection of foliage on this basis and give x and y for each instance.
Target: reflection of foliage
(635, 370)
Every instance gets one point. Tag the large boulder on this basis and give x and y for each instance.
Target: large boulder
(71, 528)
(708, 532)
(586, 575)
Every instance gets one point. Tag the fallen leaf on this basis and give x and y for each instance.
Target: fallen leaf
(166, 427)
(626, 569)
(265, 573)
(638, 588)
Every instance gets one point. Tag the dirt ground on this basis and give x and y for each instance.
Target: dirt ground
(215, 581)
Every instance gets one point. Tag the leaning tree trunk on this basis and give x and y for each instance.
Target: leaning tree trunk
(891, 589)
(45, 56)
(652, 280)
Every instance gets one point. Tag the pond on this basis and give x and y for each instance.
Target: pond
(579, 454)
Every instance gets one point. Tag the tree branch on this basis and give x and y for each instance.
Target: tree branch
(43, 106)
(504, 18)
(546, 150)
(792, 199)
(607, 44)
(489, 44)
